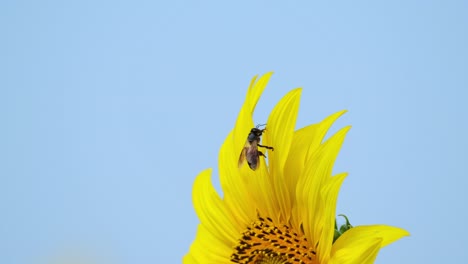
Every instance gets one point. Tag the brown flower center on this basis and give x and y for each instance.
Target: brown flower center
(266, 243)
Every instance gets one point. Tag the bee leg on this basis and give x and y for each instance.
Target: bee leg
(260, 153)
(267, 147)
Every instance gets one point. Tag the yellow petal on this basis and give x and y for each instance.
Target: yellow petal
(242, 203)
(207, 248)
(188, 259)
(279, 134)
(262, 191)
(388, 234)
(236, 185)
(317, 171)
(280, 128)
(363, 252)
(260, 180)
(211, 210)
(358, 241)
(244, 122)
(236, 194)
(305, 140)
(326, 219)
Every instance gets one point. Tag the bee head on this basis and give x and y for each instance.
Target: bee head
(256, 131)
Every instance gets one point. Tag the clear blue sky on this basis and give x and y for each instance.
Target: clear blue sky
(109, 109)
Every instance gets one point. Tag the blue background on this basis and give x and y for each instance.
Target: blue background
(109, 109)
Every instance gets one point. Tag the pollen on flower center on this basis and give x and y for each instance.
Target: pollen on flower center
(266, 243)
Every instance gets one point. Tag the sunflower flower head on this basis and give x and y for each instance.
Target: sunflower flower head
(282, 210)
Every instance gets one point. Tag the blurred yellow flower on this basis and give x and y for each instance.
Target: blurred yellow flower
(284, 211)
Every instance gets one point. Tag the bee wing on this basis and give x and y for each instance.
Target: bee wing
(252, 157)
(242, 157)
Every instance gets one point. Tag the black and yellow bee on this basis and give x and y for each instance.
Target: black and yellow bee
(250, 151)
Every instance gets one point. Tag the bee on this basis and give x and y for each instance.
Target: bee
(250, 151)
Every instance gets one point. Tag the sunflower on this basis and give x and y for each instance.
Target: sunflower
(284, 211)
